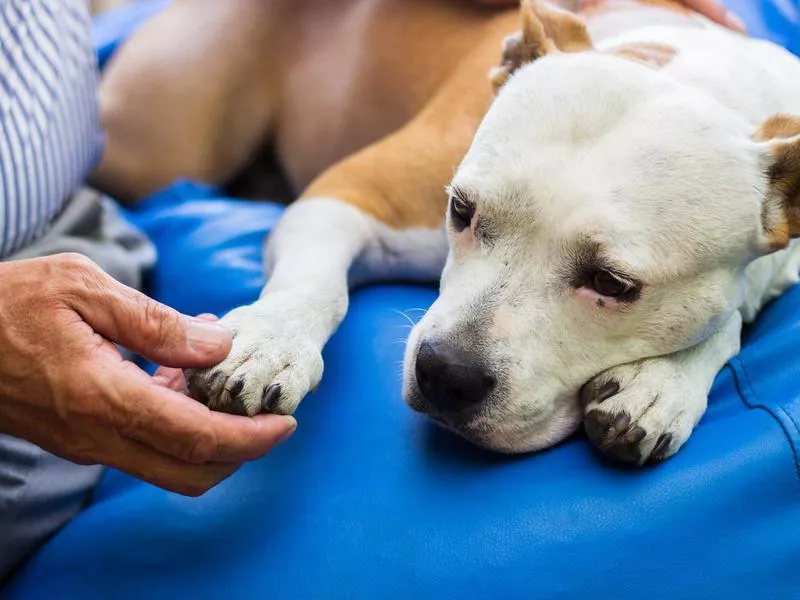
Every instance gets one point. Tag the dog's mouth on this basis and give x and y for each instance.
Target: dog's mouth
(492, 429)
(470, 424)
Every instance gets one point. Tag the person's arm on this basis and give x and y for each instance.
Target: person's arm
(711, 9)
(65, 387)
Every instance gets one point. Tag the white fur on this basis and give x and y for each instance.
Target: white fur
(318, 244)
(658, 168)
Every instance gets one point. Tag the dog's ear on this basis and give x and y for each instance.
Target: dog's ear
(545, 30)
(780, 139)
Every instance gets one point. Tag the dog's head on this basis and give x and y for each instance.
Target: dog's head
(604, 214)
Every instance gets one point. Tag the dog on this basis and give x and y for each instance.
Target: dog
(622, 194)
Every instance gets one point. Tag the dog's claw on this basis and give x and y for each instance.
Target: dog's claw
(641, 412)
(272, 396)
(234, 385)
(608, 389)
(662, 447)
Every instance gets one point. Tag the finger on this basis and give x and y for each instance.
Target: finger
(145, 326)
(85, 443)
(174, 424)
(716, 11)
(166, 472)
(171, 378)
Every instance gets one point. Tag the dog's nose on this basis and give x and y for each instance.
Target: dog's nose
(451, 380)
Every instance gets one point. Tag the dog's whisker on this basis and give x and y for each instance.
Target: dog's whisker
(411, 321)
(400, 368)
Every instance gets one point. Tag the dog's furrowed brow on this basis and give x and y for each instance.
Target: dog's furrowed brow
(462, 193)
(589, 255)
(483, 228)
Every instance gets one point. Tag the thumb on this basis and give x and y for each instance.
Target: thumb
(144, 326)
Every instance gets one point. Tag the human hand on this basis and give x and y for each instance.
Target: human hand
(65, 387)
(711, 9)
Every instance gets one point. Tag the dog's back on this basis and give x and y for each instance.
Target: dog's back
(322, 79)
(751, 77)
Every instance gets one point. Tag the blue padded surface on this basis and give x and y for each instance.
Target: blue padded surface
(369, 500)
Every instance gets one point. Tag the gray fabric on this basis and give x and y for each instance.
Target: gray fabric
(40, 493)
(92, 225)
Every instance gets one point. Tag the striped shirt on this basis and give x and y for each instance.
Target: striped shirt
(50, 134)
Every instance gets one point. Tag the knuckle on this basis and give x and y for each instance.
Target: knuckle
(160, 323)
(80, 401)
(202, 447)
(195, 491)
(81, 450)
(78, 273)
(78, 263)
(197, 484)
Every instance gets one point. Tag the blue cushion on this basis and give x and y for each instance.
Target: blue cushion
(369, 500)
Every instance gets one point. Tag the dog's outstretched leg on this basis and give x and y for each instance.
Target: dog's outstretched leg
(377, 214)
(320, 247)
(646, 410)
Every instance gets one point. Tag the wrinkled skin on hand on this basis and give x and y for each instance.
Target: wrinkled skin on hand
(65, 387)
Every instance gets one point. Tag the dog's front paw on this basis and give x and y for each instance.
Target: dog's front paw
(642, 412)
(272, 365)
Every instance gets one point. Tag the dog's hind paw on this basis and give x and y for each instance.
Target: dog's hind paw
(642, 412)
(272, 364)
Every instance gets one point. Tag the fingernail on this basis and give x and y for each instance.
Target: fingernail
(292, 428)
(734, 22)
(207, 317)
(204, 336)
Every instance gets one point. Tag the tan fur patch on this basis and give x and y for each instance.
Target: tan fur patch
(779, 126)
(545, 30)
(650, 54)
(783, 134)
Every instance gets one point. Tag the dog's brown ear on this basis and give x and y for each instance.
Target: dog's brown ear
(545, 30)
(780, 214)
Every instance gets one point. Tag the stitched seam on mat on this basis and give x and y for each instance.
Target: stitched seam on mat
(763, 404)
(740, 388)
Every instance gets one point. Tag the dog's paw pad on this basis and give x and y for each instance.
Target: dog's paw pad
(271, 366)
(643, 412)
(614, 434)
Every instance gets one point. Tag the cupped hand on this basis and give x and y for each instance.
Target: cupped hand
(65, 387)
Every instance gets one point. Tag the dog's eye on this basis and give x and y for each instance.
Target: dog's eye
(612, 285)
(461, 213)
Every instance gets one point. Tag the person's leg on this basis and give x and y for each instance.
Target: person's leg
(40, 493)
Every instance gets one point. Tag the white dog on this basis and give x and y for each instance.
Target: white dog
(612, 217)
(627, 201)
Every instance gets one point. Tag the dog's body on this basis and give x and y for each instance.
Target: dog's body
(372, 105)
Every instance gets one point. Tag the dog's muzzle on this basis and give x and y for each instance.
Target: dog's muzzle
(451, 380)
